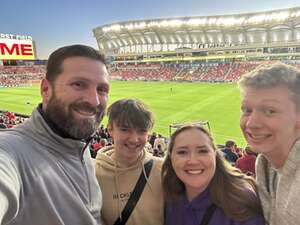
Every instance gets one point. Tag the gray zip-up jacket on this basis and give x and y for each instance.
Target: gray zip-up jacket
(46, 179)
(279, 189)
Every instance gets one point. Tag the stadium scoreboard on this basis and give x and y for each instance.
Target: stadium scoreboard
(16, 47)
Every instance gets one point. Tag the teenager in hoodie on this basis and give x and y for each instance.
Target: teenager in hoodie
(119, 167)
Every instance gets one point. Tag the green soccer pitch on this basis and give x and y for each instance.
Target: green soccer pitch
(171, 103)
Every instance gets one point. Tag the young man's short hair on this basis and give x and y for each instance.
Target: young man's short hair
(278, 74)
(131, 113)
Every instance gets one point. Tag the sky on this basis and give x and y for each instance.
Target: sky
(55, 23)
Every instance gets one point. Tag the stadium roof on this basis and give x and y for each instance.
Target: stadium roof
(168, 34)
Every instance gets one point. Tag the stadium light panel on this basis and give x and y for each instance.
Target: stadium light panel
(163, 23)
(256, 18)
(141, 25)
(153, 24)
(176, 23)
(115, 27)
(280, 16)
(261, 18)
(129, 26)
(230, 21)
(105, 29)
(196, 22)
(211, 21)
(295, 14)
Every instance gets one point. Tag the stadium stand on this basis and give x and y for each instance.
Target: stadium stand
(12, 76)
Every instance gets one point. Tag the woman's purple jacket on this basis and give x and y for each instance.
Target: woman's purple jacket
(191, 213)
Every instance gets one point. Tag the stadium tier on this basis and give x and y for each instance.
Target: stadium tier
(205, 72)
(11, 76)
(221, 39)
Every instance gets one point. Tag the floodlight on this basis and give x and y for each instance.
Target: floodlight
(212, 21)
(163, 23)
(176, 23)
(196, 22)
(129, 26)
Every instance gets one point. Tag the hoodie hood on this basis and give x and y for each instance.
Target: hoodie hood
(117, 184)
(105, 160)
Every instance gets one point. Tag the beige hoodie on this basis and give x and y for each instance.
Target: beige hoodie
(117, 184)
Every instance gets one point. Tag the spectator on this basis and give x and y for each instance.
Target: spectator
(46, 175)
(229, 151)
(152, 139)
(158, 152)
(160, 140)
(270, 121)
(246, 163)
(200, 185)
(2, 125)
(126, 167)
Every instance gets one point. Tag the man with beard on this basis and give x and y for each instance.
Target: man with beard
(46, 174)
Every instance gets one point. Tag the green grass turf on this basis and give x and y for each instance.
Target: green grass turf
(186, 102)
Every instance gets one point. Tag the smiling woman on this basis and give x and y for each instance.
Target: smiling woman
(198, 181)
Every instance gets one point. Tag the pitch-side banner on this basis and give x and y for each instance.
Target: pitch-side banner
(14, 49)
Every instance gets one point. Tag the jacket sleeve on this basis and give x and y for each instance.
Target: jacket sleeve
(10, 187)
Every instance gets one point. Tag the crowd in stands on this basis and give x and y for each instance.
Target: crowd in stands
(12, 76)
(243, 159)
(206, 72)
(9, 120)
(143, 72)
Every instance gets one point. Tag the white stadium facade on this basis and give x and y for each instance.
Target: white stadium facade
(237, 36)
